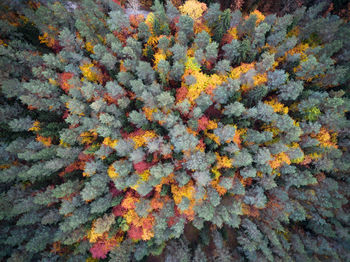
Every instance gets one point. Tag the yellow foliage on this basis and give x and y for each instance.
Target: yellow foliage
(145, 175)
(213, 137)
(35, 127)
(140, 140)
(152, 41)
(131, 216)
(2, 42)
(111, 172)
(147, 234)
(93, 236)
(157, 57)
(53, 82)
(89, 47)
(242, 69)
(165, 181)
(260, 16)
(216, 172)
(149, 112)
(88, 137)
(90, 72)
(296, 160)
(260, 79)
(315, 156)
(223, 161)
(193, 8)
(149, 21)
(294, 32)
(212, 125)
(64, 144)
(298, 49)
(233, 32)
(189, 130)
(180, 192)
(110, 142)
(191, 63)
(91, 259)
(277, 106)
(47, 39)
(204, 83)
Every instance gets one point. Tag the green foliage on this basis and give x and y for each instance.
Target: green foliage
(121, 136)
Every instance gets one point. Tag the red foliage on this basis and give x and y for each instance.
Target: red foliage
(173, 24)
(30, 107)
(135, 232)
(138, 132)
(115, 192)
(212, 112)
(120, 2)
(65, 115)
(63, 81)
(119, 211)
(174, 219)
(181, 93)
(57, 47)
(74, 166)
(226, 39)
(101, 248)
(142, 166)
(202, 123)
(84, 157)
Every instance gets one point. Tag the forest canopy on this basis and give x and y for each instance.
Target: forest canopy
(191, 133)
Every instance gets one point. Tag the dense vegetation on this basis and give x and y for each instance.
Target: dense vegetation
(192, 134)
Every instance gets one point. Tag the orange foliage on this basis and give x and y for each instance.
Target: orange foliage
(129, 201)
(215, 184)
(223, 161)
(279, 160)
(156, 202)
(64, 81)
(165, 181)
(259, 15)
(237, 138)
(136, 19)
(250, 210)
(325, 138)
(199, 26)
(229, 36)
(45, 140)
